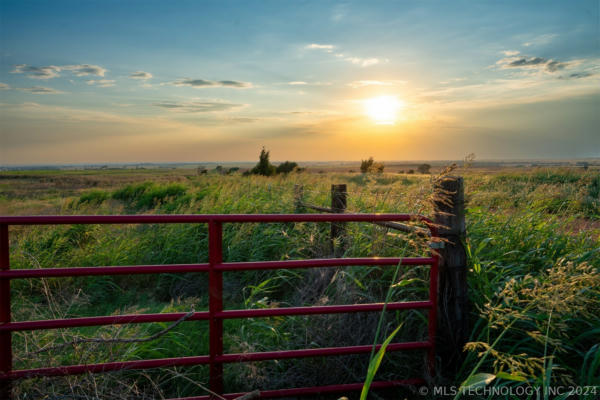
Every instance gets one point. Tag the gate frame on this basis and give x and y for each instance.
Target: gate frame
(216, 313)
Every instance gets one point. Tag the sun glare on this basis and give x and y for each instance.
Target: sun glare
(383, 110)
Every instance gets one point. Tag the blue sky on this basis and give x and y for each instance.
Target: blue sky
(114, 81)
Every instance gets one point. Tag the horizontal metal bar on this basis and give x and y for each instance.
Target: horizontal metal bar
(105, 320)
(324, 262)
(286, 311)
(270, 394)
(226, 358)
(90, 271)
(325, 351)
(203, 218)
(105, 367)
(233, 266)
(204, 315)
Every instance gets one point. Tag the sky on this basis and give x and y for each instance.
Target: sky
(193, 81)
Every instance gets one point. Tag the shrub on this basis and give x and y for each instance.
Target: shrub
(264, 166)
(370, 166)
(286, 167)
(424, 168)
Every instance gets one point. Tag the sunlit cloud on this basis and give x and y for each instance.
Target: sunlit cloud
(85, 69)
(315, 46)
(540, 40)
(140, 75)
(363, 62)
(52, 71)
(532, 63)
(294, 83)
(201, 83)
(198, 106)
(40, 90)
(4, 86)
(47, 72)
(364, 83)
(101, 82)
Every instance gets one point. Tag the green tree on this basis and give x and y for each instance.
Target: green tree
(264, 166)
(286, 167)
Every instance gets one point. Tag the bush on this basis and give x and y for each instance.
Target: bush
(264, 166)
(370, 166)
(147, 195)
(286, 167)
(424, 168)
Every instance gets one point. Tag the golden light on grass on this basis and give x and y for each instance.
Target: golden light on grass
(383, 110)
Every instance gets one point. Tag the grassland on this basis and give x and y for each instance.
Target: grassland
(533, 240)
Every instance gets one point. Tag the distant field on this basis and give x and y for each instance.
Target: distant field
(533, 240)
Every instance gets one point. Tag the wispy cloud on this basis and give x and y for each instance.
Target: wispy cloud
(359, 84)
(577, 75)
(140, 75)
(52, 71)
(198, 106)
(40, 90)
(85, 69)
(101, 82)
(315, 46)
(361, 61)
(201, 83)
(539, 63)
(48, 72)
(294, 83)
(540, 40)
(4, 86)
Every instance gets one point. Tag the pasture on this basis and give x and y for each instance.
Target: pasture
(533, 245)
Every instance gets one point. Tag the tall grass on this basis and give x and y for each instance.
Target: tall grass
(520, 241)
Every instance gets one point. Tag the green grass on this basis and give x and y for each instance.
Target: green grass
(520, 227)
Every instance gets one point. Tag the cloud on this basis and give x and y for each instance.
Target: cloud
(101, 82)
(359, 84)
(577, 75)
(540, 40)
(198, 106)
(52, 71)
(4, 86)
(48, 72)
(510, 53)
(315, 46)
(140, 75)
(201, 83)
(293, 83)
(85, 69)
(532, 62)
(363, 62)
(40, 90)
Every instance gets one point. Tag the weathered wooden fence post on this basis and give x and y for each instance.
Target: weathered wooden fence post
(453, 305)
(298, 196)
(338, 229)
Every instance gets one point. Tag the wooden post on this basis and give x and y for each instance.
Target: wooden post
(453, 305)
(338, 229)
(298, 196)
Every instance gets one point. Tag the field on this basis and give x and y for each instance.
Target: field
(533, 244)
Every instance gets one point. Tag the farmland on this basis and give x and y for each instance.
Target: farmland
(533, 245)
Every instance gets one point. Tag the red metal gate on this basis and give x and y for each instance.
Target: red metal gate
(216, 312)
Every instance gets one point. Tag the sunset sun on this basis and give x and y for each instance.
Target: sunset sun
(383, 110)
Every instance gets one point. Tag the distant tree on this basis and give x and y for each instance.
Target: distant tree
(424, 168)
(370, 166)
(286, 167)
(219, 169)
(232, 170)
(365, 165)
(264, 166)
(201, 170)
(410, 171)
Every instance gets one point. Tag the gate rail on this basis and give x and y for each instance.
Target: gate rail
(216, 312)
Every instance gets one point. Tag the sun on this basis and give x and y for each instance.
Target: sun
(383, 110)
